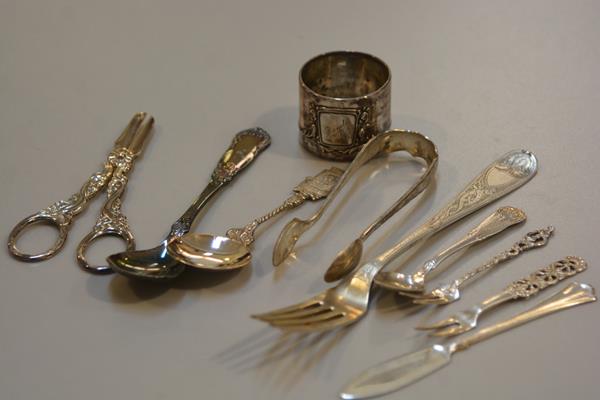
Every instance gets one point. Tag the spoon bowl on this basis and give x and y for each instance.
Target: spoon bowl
(150, 264)
(213, 252)
(345, 261)
(288, 237)
(444, 294)
(156, 263)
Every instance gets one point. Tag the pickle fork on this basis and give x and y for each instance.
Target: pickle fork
(521, 289)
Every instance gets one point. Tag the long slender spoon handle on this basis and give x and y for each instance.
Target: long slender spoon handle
(244, 148)
(498, 221)
(572, 295)
(501, 177)
(311, 188)
(414, 143)
(534, 283)
(531, 240)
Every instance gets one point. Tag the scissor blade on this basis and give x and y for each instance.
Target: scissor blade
(396, 373)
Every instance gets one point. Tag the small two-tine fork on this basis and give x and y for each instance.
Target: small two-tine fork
(465, 321)
(450, 292)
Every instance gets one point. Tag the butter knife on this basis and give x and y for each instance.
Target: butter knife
(404, 370)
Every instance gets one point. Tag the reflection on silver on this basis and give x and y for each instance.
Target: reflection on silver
(347, 302)
(194, 249)
(416, 144)
(345, 99)
(111, 221)
(155, 263)
(450, 292)
(521, 289)
(398, 372)
(498, 221)
(495, 181)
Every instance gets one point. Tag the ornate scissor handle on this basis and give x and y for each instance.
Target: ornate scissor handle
(111, 221)
(59, 215)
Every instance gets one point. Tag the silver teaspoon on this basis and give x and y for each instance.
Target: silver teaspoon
(156, 263)
(498, 221)
(504, 175)
(450, 292)
(206, 251)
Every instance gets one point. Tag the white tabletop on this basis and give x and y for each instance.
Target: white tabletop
(479, 78)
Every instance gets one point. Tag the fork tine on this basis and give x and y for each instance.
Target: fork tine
(430, 300)
(318, 327)
(304, 312)
(295, 307)
(449, 331)
(125, 138)
(414, 295)
(441, 324)
(308, 319)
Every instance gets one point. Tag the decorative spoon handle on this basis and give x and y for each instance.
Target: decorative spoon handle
(501, 219)
(531, 240)
(501, 177)
(244, 148)
(572, 295)
(311, 188)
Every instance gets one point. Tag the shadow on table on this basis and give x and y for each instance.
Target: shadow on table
(283, 357)
(122, 290)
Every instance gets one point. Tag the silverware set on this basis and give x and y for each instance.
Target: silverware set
(348, 302)
(401, 371)
(344, 115)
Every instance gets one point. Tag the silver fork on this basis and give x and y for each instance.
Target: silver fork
(524, 288)
(347, 302)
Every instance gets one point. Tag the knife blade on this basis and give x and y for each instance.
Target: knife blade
(406, 369)
(396, 373)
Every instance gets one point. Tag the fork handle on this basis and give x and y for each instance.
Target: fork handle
(499, 220)
(572, 295)
(501, 177)
(537, 281)
(530, 241)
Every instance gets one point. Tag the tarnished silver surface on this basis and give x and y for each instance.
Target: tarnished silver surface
(450, 292)
(506, 174)
(348, 301)
(312, 188)
(111, 221)
(401, 371)
(213, 252)
(499, 220)
(156, 263)
(416, 144)
(521, 289)
(344, 101)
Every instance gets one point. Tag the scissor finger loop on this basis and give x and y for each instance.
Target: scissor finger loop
(93, 236)
(113, 177)
(60, 222)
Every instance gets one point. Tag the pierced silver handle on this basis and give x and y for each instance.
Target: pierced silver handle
(530, 241)
(572, 295)
(544, 277)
